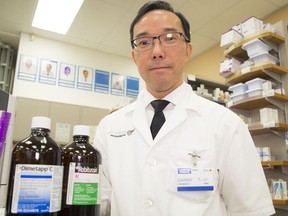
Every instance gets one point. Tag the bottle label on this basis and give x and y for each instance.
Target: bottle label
(83, 184)
(37, 189)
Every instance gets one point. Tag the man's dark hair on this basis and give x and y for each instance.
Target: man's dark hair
(159, 5)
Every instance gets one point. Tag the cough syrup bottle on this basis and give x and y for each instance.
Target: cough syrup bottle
(82, 167)
(36, 173)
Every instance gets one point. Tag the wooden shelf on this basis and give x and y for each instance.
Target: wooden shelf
(251, 103)
(279, 127)
(236, 49)
(274, 163)
(280, 202)
(256, 71)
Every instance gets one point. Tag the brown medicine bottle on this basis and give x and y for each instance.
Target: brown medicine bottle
(82, 167)
(36, 173)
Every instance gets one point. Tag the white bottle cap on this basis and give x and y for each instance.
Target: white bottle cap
(81, 130)
(41, 122)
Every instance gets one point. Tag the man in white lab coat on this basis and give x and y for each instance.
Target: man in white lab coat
(202, 162)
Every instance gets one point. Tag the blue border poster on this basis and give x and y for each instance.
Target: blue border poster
(101, 83)
(132, 86)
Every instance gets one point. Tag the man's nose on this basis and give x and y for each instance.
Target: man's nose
(157, 49)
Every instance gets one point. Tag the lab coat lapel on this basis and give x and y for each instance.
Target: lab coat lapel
(178, 115)
(140, 122)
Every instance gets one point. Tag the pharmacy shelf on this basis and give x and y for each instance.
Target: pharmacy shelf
(274, 163)
(251, 103)
(278, 128)
(280, 202)
(259, 71)
(236, 50)
(211, 98)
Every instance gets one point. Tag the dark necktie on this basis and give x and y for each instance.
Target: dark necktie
(158, 118)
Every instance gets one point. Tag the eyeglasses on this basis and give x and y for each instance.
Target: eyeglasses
(167, 40)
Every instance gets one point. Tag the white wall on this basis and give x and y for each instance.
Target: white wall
(63, 52)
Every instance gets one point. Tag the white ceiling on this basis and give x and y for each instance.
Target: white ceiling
(104, 24)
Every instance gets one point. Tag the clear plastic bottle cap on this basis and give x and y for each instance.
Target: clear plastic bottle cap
(81, 130)
(41, 122)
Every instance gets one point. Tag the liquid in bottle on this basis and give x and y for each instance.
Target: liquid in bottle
(82, 167)
(36, 173)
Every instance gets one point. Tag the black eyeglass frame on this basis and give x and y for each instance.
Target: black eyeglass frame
(134, 45)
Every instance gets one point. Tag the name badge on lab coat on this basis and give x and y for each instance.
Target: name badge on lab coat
(195, 179)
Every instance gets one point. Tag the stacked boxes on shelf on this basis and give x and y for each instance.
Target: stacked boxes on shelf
(258, 51)
(259, 95)
(255, 87)
(250, 88)
(264, 153)
(230, 37)
(229, 66)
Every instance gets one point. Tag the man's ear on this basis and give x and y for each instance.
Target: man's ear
(133, 56)
(188, 51)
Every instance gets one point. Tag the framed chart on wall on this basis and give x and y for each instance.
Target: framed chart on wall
(132, 86)
(101, 83)
(117, 84)
(85, 78)
(27, 68)
(48, 71)
(67, 75)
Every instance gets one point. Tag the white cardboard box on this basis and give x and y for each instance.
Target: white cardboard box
(239, 88)
(251, 26)
(255, 47)
(254, 92)
(229, 38)
(269, 117)
(229, 66)
(237, 97)
(256, 83)
(262, 58)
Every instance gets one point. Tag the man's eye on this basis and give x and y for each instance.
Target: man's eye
(143, 43)
(169, 38)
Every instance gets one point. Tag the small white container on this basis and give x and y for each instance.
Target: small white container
(256, 83)
(238, 97)
(254, 92)
(229, 38)
(263, 58)
(238, 89)
(229, 66)
(251, 26)
(255, 47)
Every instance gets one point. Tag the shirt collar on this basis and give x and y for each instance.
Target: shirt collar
(173, 97)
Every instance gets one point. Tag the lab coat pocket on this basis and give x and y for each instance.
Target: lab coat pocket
(192, 175)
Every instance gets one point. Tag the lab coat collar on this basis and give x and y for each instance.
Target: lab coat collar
(184, 100)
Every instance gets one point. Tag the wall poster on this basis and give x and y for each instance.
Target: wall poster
(27, 68)
(67, 75)
(101, 83)
(117, 84)
(132, 86)
(85, 78)
(48, 71)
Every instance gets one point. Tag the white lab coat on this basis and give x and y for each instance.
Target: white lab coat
(139, 173)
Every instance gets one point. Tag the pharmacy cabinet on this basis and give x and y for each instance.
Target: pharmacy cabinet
(210, 90)
(275, 134)
(6, 61)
